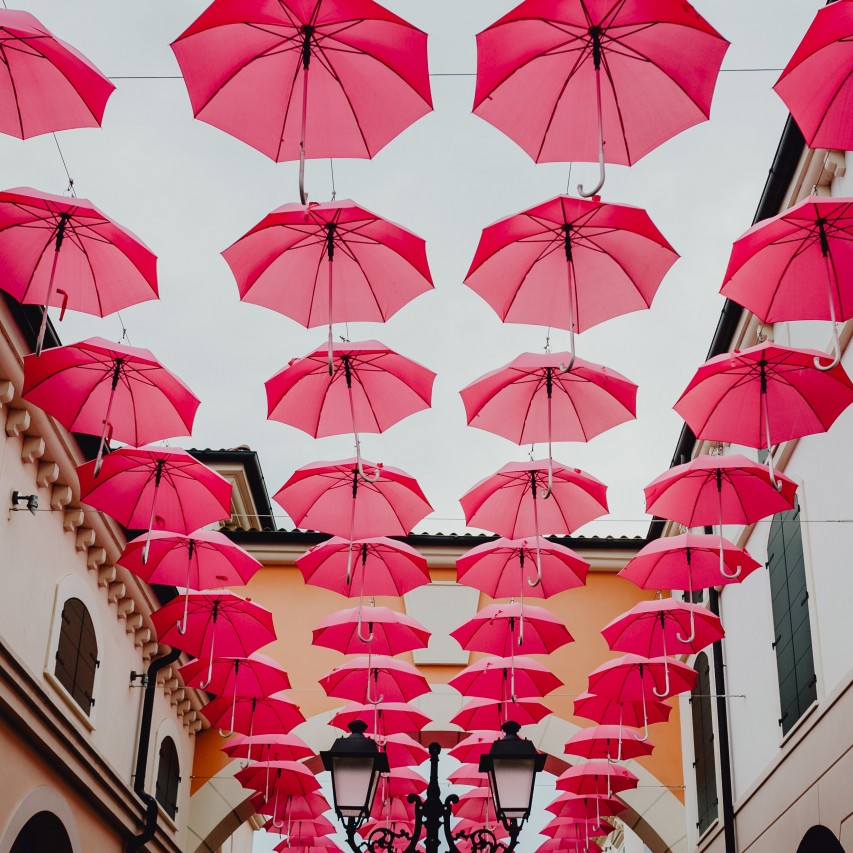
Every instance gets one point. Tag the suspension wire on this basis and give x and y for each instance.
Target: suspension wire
(70, 188)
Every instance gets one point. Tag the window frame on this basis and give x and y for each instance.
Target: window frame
(169, 807)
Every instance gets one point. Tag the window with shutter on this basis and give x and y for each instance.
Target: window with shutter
(792, 639)
(168, 777)
(703, 745)
(77, 653)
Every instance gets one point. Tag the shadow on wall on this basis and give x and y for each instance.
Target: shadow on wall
(819, 840)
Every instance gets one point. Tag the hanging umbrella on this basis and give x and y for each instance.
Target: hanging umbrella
(549, 397)
(388, 632)
(381, 567)
(308, 843)
(317, 827)
(504, 678)
(374, 679)
(480, 714)
(393, 809)
(214, 623)
(562, 845)
(469, 827)
(663, 626)
(327, 263)
(498, 568)
(62, 251)
(497, 629)
(576, 827)
(251, 715)
(597, 778)
(385, 719)
(611, 257)
(289, 807)
(512, 502)
(362, 387)
(253, 675)
(609, 711)
(474, 746)
(46, 84)
(297, 79)
(793, 266)
(277, 747)
(613, 743)
(476, 805)
(289, 777)
(402, 750)
(763, 396)
(468, 774)
(371, 825)
(815, 84)
(577, 805)
(400, 782)
(549, 73)
(115, 391)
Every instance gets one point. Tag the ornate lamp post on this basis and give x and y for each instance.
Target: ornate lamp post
(356, 764)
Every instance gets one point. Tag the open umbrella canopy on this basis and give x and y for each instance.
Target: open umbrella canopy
(386, 719)
(276, 747)
(290, 806)
(611, 257)
(476, 805)
(306, 843)
(45, 84)
(481, 713)
(502, 678)
(333, 497)
(323, 79)
(506, 568)
(634, 677)
(255, 715)
(379, 630)
(289, 777)
(533, 399)
(468, 826)
(816, 83)
(326, 263)
(392, 809)
(304, 828)
(497, 627)
(400, 782)
(710, 490)
(560, 845)
(402, 750)
(375, 678)
(577, 827)
(613, 743)
(380, 566)
(254, 675)
(471, 748)
(204, 559)
(604, 709)
(370, 389)
(468, 774)
(577, 805)
(597, 778)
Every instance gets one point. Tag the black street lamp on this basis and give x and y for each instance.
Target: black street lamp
(356, 764)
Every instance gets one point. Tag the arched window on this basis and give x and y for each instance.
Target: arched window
(792, 639)
(168, 777)
(77, 653)
(819, 840)
(43, 831)
(703, 745)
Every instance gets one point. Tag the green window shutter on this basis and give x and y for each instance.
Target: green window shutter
(703, 745)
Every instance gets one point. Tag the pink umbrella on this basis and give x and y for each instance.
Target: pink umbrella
(468, 774)
(497, 568)
(402, 750)
(577, 805)
(392, 809)
(60, 250)
(277, 747)
(611, 257)
(607, 710)
(307, 843)
(400, 782)
(248, 72)
(46, 84)
(364, 677)
(498, 628)
(214, 623)
(663, 626)
(385, 719)
(291, 777)
(815, 84)
(793, 266)
(202, 560)
(577, 827)
(505, 678)
(468, 827)
(540, 70)
(388, 632)
(254, 715)
(476, 805)
(156, 487)
(764, 395)
(79, 384)
(556, 845)
(512, 502)
(363, 387)
(329, 263)
(613, 743)
(474, 746)
(318, 826)
(289, 806)
(489, 714)
(596, 779)
(382, 567)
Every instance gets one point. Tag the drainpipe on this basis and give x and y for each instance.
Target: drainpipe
(151, 808)
(723, 726)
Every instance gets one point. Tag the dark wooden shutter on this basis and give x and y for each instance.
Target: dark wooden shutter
(792, 639)
(168, 777)
(77, 653)
(703, 745)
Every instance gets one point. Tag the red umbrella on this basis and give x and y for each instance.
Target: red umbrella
(468, 827)
(115, 391)
(468, 774)
(613, 743)
(476, 805)
(372, 825)
(539, 77)
(400, 782)
(497, 568)
(301, 78)
(607, 710)
(385, 719)
(329, 263)
(289, 777)
(367, 677)
(289, 807)
(815, 84)
(793, 266)
(473, 746)
(46, 84)
(402, 750)
(318, 826)
(382, 567)
(214, 623)
(499, 628)
(505, 678)
(512, 502)
(561, 845)
(251, 715)
(277, 747)
(62, 251)
(577, 827)
(576, 805)
(253, 675)
(597, 778)
(388, 632)
(307, 843)
(363, 387)
(392, 810)
(611, 257)
(487, 714)
(764, 395)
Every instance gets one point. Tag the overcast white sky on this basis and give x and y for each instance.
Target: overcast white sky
(189, 190)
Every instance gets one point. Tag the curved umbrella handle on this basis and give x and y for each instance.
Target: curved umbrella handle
(43, 326)
(566, 368)
(182, 626)
(370, 699)
(534, 582)
(274, 810)
(106, 438)
(737, 572)
(303, 196)
(665, 692)
(369, 637)
(645, 736)
(692, 636)
(367, 479)
(597, 188)
(774, 482)
(836, 344)
(210, 664)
